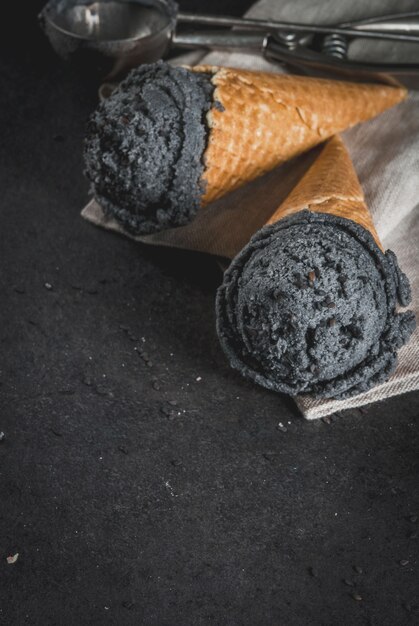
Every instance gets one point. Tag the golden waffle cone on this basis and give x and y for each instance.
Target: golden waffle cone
(270, 118)
(331, 185)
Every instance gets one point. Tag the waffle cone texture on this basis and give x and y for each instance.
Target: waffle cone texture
(331, 185)
(262, 120)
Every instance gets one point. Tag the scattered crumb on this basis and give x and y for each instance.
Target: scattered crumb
(356, 597)
(12, 559)
(170, 489)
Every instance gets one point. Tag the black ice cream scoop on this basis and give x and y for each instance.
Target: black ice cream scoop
(310, 306)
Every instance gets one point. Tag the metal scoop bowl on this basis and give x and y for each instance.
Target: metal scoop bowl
(108, 38)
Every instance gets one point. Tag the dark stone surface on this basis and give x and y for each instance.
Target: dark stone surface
(133, 492)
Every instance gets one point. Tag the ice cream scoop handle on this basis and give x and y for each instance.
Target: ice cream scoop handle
(272, 25)
(351, 70)
(219, 40)
(407, 23)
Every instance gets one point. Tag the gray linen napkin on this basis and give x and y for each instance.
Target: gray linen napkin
(385, 152)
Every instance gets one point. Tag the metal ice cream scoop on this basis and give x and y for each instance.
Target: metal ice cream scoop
(112, 36)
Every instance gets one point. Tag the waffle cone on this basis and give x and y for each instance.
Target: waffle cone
(331, 185)
(265, 119)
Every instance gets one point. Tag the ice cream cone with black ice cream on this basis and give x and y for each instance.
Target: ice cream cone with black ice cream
(170, 140)
(310, 305)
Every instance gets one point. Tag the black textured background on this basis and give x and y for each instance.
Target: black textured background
(142, 481)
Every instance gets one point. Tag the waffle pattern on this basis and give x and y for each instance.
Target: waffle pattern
(331, 185)
(270, 118)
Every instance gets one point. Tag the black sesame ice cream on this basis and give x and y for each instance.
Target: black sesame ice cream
(309, 306)
(144, 147)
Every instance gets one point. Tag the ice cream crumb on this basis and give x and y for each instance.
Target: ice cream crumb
(12, 559)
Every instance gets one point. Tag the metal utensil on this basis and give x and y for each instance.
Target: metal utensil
(350, 30)
(407, 23)
(336, 45)
(109, 37)
(324, 65)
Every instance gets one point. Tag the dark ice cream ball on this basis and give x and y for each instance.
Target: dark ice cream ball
(145, 144)
(309, 306)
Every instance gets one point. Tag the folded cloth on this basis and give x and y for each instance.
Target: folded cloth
(385, 152)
